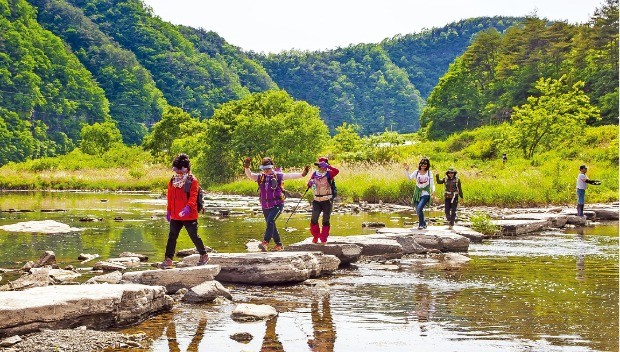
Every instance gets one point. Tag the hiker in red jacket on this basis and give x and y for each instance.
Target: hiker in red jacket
(182, 210)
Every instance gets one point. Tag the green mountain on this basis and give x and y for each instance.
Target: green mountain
(499, 71)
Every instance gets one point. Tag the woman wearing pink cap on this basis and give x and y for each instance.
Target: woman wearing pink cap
(321, 183)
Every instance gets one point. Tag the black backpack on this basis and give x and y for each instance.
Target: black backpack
(332, 183)
(200, 202)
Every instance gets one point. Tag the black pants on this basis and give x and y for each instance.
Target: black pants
(192, 229)
(318, 207)
(450, 208)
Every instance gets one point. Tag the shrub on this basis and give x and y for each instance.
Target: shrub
(481, 222)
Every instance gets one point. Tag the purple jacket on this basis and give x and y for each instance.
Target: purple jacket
(270, 189)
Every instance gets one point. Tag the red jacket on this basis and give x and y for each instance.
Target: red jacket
(177, 200)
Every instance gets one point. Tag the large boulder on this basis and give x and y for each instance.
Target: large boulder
(93, 306)
(605, 212)
(272, 267)
(174, 279)
(346, 252)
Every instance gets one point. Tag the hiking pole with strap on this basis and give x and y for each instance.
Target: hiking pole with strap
(295, 209)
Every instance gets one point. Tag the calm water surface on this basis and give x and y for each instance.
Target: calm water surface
(557, 291)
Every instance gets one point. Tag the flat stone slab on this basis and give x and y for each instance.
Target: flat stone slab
(346, 252)
(432, 238)
(271, 267)
(520, 227)
(59, 307)
(605, 212)
(372, 245)
(43, 226)
(174, 279)
(555, 219)
(245, 312)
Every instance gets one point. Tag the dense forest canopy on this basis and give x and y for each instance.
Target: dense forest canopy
(68, 64)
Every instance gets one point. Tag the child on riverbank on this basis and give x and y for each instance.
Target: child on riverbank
(271, 196)
(582, 184)
(182, 210)
(424, 188)
(452, 193)
(321, 184)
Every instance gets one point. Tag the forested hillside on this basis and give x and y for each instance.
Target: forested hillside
(500, 72)
(358, 85)
(46, 94)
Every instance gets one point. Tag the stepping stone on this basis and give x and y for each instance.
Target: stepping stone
(61, 306)
(174, 279)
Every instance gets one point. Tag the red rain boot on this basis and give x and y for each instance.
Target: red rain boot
(324, 233)
(315, 231)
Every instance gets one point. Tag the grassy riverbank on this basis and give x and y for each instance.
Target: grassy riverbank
(548, 178)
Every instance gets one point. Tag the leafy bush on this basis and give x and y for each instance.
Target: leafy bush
(481, 222)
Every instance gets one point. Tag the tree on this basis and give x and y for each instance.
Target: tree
(262, 124)
(175, 124)
(98, 138)
(560, 112)
(347, 139)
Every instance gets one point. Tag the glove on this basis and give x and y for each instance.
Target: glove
(305, 172)
(323, 165)
(310, 183)
(246, 162)
(168, 216)
(184, 211)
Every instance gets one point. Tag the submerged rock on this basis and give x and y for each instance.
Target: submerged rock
(43, 226)
(243, 337)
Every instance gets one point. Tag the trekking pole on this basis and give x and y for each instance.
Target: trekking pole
(295, 209)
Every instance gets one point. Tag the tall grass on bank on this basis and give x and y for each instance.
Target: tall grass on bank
(517, 183)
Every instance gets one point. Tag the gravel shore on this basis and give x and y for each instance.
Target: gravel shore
(77, 340)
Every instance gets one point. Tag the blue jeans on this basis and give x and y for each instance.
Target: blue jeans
(581, 196)
(271, 215)
(419, 209)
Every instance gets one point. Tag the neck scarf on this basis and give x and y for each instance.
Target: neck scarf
(178, 180)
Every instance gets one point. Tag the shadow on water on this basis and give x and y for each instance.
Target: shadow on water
(555, 291)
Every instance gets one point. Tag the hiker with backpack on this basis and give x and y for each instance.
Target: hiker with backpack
(452, 193)
(323, 187)
(271, 194)
(423, 190)
(182, 210)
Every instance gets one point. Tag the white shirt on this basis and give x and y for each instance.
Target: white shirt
(581, 181)
(422, 180)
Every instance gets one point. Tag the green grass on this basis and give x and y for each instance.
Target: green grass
(548, 178)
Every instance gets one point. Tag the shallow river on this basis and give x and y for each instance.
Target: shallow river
(556, 291)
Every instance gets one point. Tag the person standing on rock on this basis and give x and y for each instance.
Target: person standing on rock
(452, 193)
(423, 190)
(321, 183)
(182, 210)
(582, 184)
(271, 196)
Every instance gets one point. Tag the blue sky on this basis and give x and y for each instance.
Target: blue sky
(276, 25)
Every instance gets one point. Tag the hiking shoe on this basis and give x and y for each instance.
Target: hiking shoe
(277, 248)
(420, 227)
(204, 258)
(315, 240)
(264, 246)
(450, 227)
(166, 264)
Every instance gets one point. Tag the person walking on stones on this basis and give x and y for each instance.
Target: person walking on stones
(453, 191)
(423, 190)
(182, 210)
(321, 184)
(271, 196)
(582, 184)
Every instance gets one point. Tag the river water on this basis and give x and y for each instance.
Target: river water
(556, 291)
